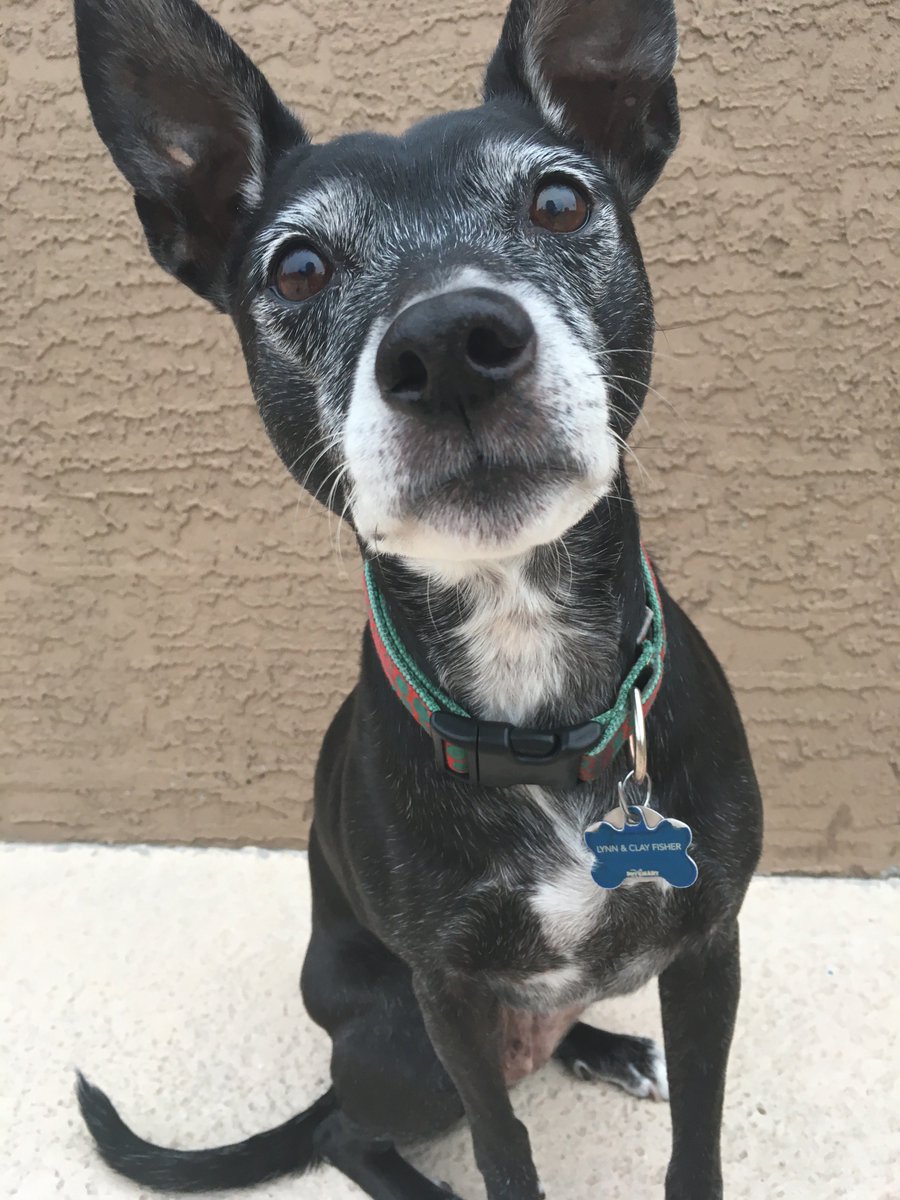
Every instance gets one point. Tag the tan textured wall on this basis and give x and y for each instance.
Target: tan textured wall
(174, 626)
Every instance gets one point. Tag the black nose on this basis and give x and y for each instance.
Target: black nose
(455, 350)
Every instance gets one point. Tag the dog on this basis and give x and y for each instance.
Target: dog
(449, 336)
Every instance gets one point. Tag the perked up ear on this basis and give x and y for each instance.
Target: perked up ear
(190, 122)
(600, 72)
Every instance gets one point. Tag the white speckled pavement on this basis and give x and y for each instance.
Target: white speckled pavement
(170, 977)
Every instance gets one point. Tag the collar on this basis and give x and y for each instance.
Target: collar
(495, 753)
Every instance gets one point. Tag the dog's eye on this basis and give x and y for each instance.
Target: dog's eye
(559, 206)
(300, 273)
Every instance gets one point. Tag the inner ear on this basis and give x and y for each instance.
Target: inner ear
(190, 122)
(197, 129)
(195, 144)
(599, 71)
(606, 63)
(202, 172)
(614, 38)
(631, 123)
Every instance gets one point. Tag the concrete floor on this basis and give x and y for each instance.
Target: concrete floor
(170, 978)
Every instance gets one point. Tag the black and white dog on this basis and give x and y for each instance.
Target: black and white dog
(449, 336)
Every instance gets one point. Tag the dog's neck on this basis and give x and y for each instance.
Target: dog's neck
(544, 639)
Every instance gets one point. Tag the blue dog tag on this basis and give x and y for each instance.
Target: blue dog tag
(645, 845)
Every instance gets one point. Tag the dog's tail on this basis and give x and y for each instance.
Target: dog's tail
(265, 1156)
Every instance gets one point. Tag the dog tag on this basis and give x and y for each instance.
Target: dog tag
(634, 842)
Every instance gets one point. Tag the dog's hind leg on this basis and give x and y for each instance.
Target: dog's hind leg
(636, 1064)
(373, 1165)
(388, 1082)
(390, 1086)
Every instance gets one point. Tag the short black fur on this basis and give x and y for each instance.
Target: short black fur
(456, 933)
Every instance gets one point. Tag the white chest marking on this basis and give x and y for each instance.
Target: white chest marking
(567, 901)
(516, 645)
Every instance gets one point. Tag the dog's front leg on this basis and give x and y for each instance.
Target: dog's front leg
(463, 1022)
(699, 994)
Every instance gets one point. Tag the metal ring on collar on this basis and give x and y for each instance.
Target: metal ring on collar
(637, 742)
(624, 803)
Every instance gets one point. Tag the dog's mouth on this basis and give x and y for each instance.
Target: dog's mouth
(488, 510)
(487, 488)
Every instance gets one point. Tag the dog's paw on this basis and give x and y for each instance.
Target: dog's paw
(635, 1064)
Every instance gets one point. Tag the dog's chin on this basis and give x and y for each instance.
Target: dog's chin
(502, 515)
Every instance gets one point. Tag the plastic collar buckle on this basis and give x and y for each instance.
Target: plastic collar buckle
(500, 755)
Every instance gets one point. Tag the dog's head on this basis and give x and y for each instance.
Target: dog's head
(448, 333)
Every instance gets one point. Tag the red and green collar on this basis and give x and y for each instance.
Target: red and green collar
(493, 753)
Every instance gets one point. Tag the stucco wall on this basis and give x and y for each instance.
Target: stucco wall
(175, 627)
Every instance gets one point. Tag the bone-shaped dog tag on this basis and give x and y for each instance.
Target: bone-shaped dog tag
(639, 843)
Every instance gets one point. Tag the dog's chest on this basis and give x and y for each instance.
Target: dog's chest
(514, 651)
(611, 934)
(556, 938)
(541, 931)
(562, 894)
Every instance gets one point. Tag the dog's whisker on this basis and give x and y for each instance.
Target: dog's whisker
(330, 443)
(640, 414)
(651, 353)
(565, 547)
(316, 496)
(646, 386)
(329, 508)
(650, 388)
(342, 525)
(621, 442)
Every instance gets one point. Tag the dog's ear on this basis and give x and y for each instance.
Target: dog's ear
(190, 122)
(600, 72)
